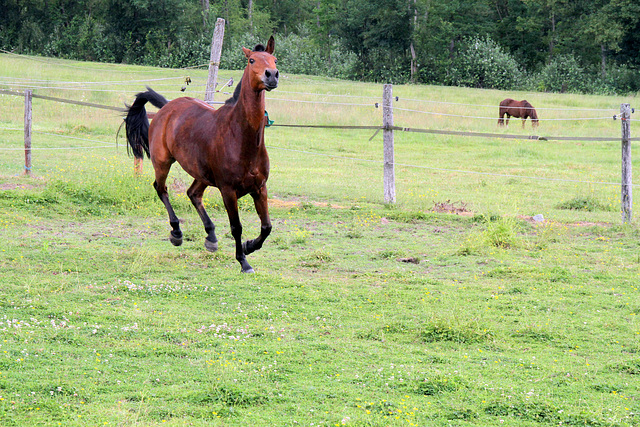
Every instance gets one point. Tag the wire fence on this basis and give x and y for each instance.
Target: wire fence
(350, 127)
(371, 102)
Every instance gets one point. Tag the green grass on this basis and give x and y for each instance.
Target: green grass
(359, 313)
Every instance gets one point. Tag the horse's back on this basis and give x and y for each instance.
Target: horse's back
(176, 119)
(181, 109)
(505, 105)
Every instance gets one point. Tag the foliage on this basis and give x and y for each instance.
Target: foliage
(378, 32)
(563, 74)
(582, 46)
(482, 63)
(297, 54)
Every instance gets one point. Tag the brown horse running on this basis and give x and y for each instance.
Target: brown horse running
(522, 109)
(223, 148)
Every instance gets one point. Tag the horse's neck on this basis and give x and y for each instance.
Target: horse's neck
(250, 106)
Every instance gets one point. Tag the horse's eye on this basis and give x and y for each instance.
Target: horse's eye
(276, 61)
(251, 61)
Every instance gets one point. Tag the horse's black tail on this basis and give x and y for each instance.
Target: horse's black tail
(137, 123)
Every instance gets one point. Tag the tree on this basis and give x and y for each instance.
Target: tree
(379, 33)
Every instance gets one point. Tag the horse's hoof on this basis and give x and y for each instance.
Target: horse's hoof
(175, 241)
(210, 246)
(248, 271)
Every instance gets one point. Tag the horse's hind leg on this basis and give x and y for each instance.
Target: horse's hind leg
(260, 201)
(160, 184)
(195, 193)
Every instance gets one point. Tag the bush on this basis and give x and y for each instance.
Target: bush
(297, 54)
(563, 74)
(621, 80)
(482, 63)
(185, 52)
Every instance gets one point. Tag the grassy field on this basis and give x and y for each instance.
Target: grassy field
(359, 314)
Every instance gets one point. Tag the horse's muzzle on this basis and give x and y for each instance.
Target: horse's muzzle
(270, 78)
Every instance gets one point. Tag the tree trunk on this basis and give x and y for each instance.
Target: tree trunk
(553, 35)
(414, 64)
(205, 11)
(603, 63)
(250, 12)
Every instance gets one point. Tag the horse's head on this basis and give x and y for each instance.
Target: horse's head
(261, 70)
(531, 112)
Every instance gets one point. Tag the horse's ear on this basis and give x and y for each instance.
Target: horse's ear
(271, 44)
(247, 52)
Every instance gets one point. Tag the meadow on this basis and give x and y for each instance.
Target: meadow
(450, 308)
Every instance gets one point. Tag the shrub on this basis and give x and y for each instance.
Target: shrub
(563, 74)
(297, 54)
(483, 63)
(184, 52)
(619, 79)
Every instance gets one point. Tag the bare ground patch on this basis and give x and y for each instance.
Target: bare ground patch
(457, 208)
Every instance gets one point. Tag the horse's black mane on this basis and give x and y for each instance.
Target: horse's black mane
(235, 96)
(236, 92)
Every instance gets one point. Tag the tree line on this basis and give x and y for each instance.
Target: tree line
(589, 46)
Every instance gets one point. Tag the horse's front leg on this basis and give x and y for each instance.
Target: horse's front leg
(230, 199)
(262, 208)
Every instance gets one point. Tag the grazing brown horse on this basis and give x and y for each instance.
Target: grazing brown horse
(522, 109)
(223, 148)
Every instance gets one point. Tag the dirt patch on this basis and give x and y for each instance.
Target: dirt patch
(588, 224)
(278, 203)
(12, 186)
(530, 220)
(7, 183)
(178, 185)
(458, 208)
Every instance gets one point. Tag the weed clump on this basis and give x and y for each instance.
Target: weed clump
(632, 367)
(588, 204)
(498, 232)
(455, 330)
(435, 385)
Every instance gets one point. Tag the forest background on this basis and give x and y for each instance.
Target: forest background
(582, 46)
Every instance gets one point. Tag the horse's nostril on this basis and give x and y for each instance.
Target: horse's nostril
(277, 74)
(267, 73)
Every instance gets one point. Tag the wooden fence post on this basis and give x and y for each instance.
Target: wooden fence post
(28, 97)
(389, 179)
(214, 63)
(627, 191)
